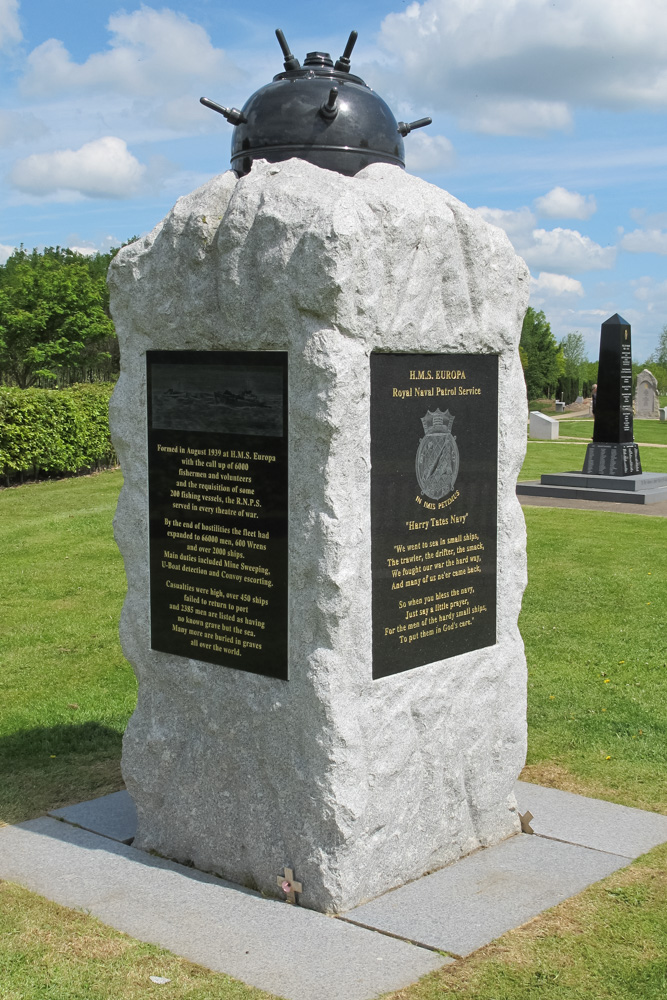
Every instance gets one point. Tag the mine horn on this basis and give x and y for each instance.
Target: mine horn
(291, 62)
(406, 127)
(233, 115)
(343, 64)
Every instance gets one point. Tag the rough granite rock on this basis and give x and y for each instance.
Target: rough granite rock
(358, 785)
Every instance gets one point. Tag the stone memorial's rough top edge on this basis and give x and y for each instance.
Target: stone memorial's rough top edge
(334, 213)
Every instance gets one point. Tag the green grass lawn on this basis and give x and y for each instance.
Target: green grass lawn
(66, 691)
(645, 431)
(593, 622)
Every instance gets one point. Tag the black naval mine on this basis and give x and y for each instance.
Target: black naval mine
(318, 112)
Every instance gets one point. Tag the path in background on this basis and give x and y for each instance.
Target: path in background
(649, 509)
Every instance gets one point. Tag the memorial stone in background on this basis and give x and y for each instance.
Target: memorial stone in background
(434, 457)
(217, 468)
(647, 400)
(613, 451)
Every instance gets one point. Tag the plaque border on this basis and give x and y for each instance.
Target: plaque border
(424, 360)
(230, 358)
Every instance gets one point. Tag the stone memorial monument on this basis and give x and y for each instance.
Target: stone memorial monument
(320, 419)
(647, 399)
(613, 451)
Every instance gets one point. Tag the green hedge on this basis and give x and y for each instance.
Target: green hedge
(54, 431)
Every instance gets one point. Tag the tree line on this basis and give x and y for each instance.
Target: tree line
(55, 329)
(54, 317)
(553, 369)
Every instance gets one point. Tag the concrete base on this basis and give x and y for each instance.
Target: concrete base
(288, 951)
(113, 816)
(494, 891)
(299, 954)
(648, 487)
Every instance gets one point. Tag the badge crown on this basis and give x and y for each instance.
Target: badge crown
(437, 422)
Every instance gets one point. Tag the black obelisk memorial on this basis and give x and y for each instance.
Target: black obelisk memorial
(613, 451)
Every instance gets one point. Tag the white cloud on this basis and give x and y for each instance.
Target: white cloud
(182, 114)
(552, 250)
(517, 224)
(559, 203)
(103, 168)
(15, 127)
(555, 284)
(89, 247)
(524, 117)
(152, 53)
(653, 296)
(10, 30)
(645, 241)
(425, 153)
(566, 250)
(523, 65)
(650, 220)
(5, 252)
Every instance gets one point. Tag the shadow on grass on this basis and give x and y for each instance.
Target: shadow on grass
(48, 767)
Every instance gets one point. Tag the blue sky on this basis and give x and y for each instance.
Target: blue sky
(548, 116)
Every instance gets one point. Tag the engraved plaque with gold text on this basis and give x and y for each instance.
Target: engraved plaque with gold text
(217, 471)
(434, 458)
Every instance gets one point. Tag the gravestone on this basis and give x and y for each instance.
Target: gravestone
(542, 427)
(613, 451)
(647, 400)
(663, 413)
(320, 419)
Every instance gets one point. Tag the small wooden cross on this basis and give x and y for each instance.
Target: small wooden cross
(289, 885)
(525, 822)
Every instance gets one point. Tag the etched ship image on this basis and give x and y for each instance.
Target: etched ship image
(217, 399)
(245, 398)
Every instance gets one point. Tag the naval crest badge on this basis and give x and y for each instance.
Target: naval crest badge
(437, 459)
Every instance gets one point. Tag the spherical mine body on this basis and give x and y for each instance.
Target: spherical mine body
(298, 115)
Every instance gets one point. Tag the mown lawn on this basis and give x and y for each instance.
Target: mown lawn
(66, 691)
(593, 622)
(645, 431)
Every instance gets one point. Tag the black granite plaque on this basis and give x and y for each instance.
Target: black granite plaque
(217, 473)
(613, 451)
(434, 475)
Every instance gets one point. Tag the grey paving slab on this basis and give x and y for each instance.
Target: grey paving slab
(640, 483)
(644, 510)
(593, 823)
(286, 950)
(112, 816)
(466, 905)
